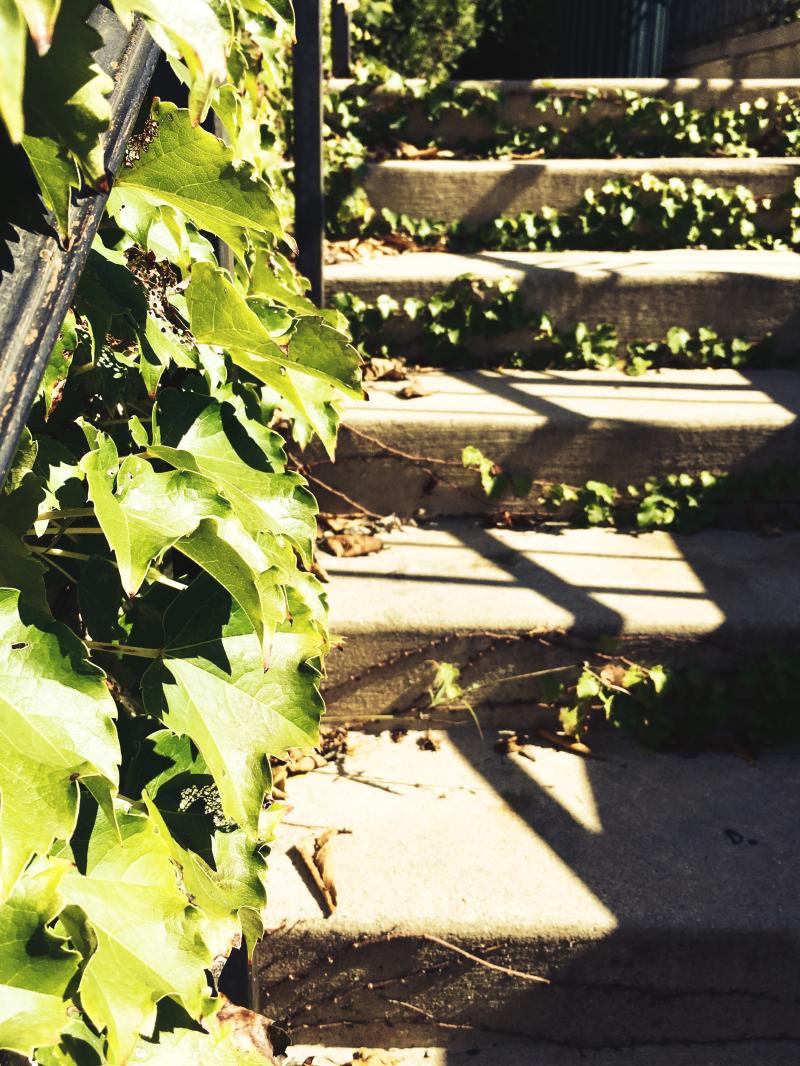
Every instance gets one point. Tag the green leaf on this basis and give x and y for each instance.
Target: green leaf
(235, 883)
(55, 173)
(41, 18)
(66, 91)
(235, 1037)
(59, 363)
(199, 433)
(36, 966)
(220, 315)
(219, 695)
(12, 67)
(192, 170)
(148, 938)
(192, 31)
(57, 722)
(143, 513)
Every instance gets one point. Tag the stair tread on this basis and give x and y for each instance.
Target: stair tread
(638, 874)
(526, 399)
(492, 1050)
(645, 86)
(682, 264)
(461, 577)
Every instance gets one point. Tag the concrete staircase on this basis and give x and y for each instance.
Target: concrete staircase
(530, 905)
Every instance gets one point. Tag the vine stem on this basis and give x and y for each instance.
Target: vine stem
(124, 649)
(152, 573)
(68, 512)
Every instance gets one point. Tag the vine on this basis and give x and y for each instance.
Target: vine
(647, 213)
(163, 634)
(452, 328)
(682, 502)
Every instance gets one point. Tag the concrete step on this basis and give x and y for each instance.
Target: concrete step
(490, 1050)
(606, 97)
(738, 293)
(656, 894)
(478, 190)
(398, 455)
(499, 603)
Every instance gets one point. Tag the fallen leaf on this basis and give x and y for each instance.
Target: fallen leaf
(367, 1057)
(410, 393)
(428, 742)
(349, 545)
(574, 747)
(316, 857)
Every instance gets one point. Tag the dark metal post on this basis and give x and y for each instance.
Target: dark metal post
(340, 39)
(309, 215)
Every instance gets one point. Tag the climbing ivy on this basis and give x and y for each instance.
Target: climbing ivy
(623, 215)
(383, 115)
(472, 321)
(162, 632)
(764, 499)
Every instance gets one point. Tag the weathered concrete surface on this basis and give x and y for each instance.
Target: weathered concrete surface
(770, 53)
(489, 1050)
(498, 602)
(738, 293)
(479, 190)
(397, 455)
(518, 99)
(657, 894)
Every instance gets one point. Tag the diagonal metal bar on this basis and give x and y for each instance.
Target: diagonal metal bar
(39, 273)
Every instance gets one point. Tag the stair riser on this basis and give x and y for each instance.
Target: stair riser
(483, 191)
(517, 100)
(632, 988)
(389, 674)
(640, 305)
(619, 454)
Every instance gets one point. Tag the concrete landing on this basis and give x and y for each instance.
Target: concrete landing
(657, 895)
(478, 190)
(559, 426)
(738, 293)
(498, 602)
(488, 1050)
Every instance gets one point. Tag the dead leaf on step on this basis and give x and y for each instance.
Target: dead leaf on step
(379, 368)
(316, 857)
(410, 392)
(513, 744)
(251, 1032)
(565, 743)
(428, 742)
(349, 545)
(368, 1057)
(613, 674)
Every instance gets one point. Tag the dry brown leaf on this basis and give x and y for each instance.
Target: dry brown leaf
(251, 1032)
(349, 545)
(428, 742)
(410, 392)
(316, 856)
(613, 674)
(564, 743)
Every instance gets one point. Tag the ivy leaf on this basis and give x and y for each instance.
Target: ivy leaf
(57, 721)
(66, 92)
(143, 513)
(59, 363)
(148, 938)
(235, 1037)
(203, 435)
(212, 688)
(12, 68)
(192, 170)
(55, 173)
(41, 18)
(235, 883)
(36, 966)
(219, 314)
(189, 30)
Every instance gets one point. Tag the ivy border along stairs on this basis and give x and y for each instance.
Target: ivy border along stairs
(163, 633)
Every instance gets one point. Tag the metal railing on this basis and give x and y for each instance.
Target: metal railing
(693, 22)
(39, 272)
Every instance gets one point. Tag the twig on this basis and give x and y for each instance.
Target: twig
(427, 1014)
(522, 974)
